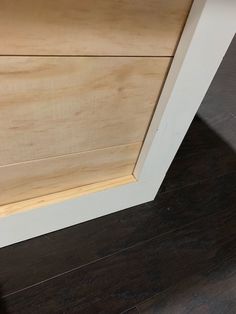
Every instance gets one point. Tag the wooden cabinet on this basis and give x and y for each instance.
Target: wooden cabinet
(95, 99)
(79, 82)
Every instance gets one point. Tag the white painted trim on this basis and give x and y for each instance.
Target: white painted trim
(207, 35)
(208, 32)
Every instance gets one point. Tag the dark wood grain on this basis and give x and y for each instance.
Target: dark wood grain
(3, 309)
(218, 108)
(202, 155)
(118, 282)
(131, 311)
(210, 292)
(47, 256)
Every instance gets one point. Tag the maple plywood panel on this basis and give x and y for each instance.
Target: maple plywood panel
(41, 177)
(91, 27)
(62, 196)
(52, 106)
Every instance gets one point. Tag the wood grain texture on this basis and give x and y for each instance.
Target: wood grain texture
(118, 282)
(218, 108)
(40, 177)
(45, 200)
(199, 141)
(58, 252)
(92, 27)
(52, 106)
(131, 311)
(211, 292)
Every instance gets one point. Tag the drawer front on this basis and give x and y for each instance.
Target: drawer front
(41, 177)
(71, 121)
(91, 27)
(55, 106)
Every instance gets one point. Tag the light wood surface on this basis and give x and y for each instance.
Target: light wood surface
(91, 27)
(31, 179)
(58, 197)
(196, 62)
(52, 106)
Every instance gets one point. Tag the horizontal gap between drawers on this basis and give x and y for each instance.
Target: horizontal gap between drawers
(84, 56)
(34, 179)
(69, 154)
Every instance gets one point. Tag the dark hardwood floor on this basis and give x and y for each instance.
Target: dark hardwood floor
(175, 255)
(211, 291)
(146, 259)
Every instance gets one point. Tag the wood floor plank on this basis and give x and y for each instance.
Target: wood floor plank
(3, 309)
(218, 108)
(202, 155)
(122, 280)
(131, 311)
(50, 255)
(212, 291)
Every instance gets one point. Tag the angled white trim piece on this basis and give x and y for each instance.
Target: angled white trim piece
(208, 33)
(209, 30)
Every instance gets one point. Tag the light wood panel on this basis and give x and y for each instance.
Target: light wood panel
(91, 27)
(45, 200)
(52, 106)
(31, 179)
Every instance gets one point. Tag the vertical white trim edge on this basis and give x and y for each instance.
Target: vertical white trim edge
(209, 30)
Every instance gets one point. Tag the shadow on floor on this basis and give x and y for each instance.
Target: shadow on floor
(202, 155)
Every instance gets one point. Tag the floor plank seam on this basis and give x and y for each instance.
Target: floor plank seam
(108, 256)
(207, 269)
(197, 182)
(129, 309)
